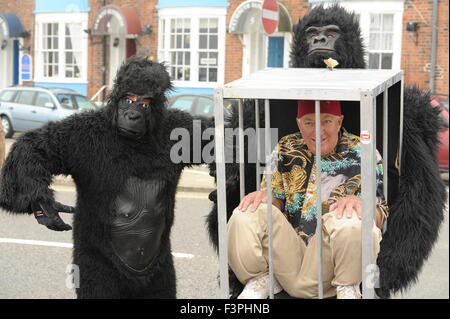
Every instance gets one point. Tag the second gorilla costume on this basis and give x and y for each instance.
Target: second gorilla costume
(119, 158)
(418, 198)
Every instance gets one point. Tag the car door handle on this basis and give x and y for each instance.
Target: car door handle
(11, 108)
(33, 111)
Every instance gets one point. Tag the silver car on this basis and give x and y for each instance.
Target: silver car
(23, 108)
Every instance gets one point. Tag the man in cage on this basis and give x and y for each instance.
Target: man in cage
(294, 214)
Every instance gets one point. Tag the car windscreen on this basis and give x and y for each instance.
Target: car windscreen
(84, 103)
(66, 101)
(183, 103)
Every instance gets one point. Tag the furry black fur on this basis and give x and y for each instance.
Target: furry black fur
(349, 48)
(416, 209)
(102, 162)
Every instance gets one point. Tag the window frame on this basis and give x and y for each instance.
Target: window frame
(165, 15)
(63, 19)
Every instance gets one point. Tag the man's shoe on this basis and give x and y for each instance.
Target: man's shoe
(348, 292)
(259, 288)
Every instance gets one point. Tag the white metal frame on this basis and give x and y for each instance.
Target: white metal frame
(309, 84)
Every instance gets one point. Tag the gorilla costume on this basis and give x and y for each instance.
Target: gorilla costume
(119, 158)
(416, 197)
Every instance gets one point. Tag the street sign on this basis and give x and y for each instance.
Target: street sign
(25, 67)
(270, 16)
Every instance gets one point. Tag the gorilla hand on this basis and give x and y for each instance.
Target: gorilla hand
(47, 214)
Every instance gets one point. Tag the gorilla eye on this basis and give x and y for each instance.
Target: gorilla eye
(145, 105)
(129, 101)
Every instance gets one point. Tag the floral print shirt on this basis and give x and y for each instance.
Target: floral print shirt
(295, 175)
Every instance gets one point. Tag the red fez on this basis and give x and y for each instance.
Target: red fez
(309, 106)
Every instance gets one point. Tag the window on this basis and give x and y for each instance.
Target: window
(192, 43)
(72, 49)
(381, 41)
(61, 47)
(179, 49)
(42, 99)
(205, 107)
(84, 103)
(183, 103)
(26, 97)
(66, 101)
(7, 96)
(208, 50)
(50, 54)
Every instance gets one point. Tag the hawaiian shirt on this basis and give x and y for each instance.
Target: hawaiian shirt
(294, 179)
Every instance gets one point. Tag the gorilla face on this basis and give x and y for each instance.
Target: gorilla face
(327, 32)
(136, 105)
(134, 116)
(321, 43)
(322, 39)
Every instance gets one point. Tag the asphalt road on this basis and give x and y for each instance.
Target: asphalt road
(30, 270)
(33, 269)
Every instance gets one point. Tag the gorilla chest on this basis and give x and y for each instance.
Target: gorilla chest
(138, 221)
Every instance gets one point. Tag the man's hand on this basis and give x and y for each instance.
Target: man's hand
(346, 206)
(47, 214)
(254, 199)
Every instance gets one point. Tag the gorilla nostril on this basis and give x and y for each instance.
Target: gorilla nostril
(133, 115)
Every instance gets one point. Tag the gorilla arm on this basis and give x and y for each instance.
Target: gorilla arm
(27, 174)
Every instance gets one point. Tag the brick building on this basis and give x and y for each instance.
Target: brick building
(79, 44)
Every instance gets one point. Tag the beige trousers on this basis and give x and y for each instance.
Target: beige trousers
(294, 262)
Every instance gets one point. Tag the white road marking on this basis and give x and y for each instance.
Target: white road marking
(35, 242)
(64, 245)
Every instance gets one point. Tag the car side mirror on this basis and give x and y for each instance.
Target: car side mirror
(50, 105)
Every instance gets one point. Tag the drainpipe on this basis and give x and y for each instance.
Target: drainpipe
(433, 45)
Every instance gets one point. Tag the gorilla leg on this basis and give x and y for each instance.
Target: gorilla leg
(98, 277)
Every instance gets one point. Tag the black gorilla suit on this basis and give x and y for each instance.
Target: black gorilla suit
(119, 158)
(416, 198)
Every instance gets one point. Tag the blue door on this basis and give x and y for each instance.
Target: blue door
(276, 52)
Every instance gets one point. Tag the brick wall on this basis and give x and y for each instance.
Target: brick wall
(24, 10)
(146, 44)
(416, 47)
(416, 51)
(234, 49)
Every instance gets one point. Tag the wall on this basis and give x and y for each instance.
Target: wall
(416, 53)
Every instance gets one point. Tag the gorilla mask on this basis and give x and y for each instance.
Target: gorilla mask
(327, 32)
(132, 113)
(136, 104)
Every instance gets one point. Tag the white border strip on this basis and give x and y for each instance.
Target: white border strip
(270, 14)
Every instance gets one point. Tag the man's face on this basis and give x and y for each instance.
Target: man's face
(329, 124)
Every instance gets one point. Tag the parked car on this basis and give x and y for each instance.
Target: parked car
(198, 104)
(442, 104)
(23, 108)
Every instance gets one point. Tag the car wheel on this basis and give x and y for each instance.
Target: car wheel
(7, 127)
